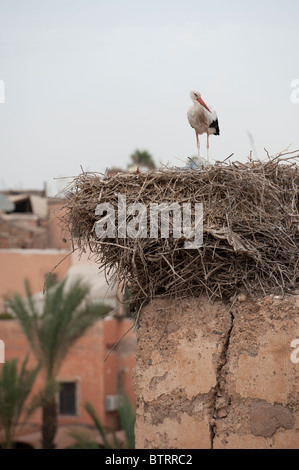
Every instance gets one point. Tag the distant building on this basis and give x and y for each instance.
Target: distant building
(31, 244)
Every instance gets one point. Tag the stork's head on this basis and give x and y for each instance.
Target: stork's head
(196, 96)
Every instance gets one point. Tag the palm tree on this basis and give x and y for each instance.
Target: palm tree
(127, 418)
(142, 158)
(14, 390)
(66, 315)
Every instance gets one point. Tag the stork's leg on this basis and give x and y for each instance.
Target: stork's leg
(198, 146)
(208, 146)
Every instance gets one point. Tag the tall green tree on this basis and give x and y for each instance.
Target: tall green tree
(142, 158)
(15, 387)
(65, 317)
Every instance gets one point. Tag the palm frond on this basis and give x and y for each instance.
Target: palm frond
(127, 418)
(92, 412)
(82, 440)
(65, 317)
(15, 387)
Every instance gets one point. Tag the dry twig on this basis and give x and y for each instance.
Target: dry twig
(250, 238)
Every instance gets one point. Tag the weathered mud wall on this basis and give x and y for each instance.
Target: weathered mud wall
(218, 376)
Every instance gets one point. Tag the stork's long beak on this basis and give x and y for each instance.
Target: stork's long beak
(203, 104)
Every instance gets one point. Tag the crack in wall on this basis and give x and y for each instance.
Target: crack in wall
(230, 387)
(217, 391)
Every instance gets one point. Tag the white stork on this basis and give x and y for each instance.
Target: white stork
(202, 119)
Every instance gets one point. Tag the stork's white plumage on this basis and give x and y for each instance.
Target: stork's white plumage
(203, 119)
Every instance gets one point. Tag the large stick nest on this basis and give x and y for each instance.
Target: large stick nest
(250, 229)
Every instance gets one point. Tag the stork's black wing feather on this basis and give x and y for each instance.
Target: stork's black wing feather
(215, 125)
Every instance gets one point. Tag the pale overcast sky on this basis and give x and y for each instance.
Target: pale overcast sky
(89, 81)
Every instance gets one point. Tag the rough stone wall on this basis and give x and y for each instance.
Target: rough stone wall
(22, 232)
(217, 375)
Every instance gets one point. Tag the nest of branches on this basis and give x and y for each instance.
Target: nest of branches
(250, 229)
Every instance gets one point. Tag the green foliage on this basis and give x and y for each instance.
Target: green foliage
(92, 412)
(65, 316)
(15, 387)
(130, 311)
(82, 440)
(6, 316)
(142, 158)
(127, 419)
